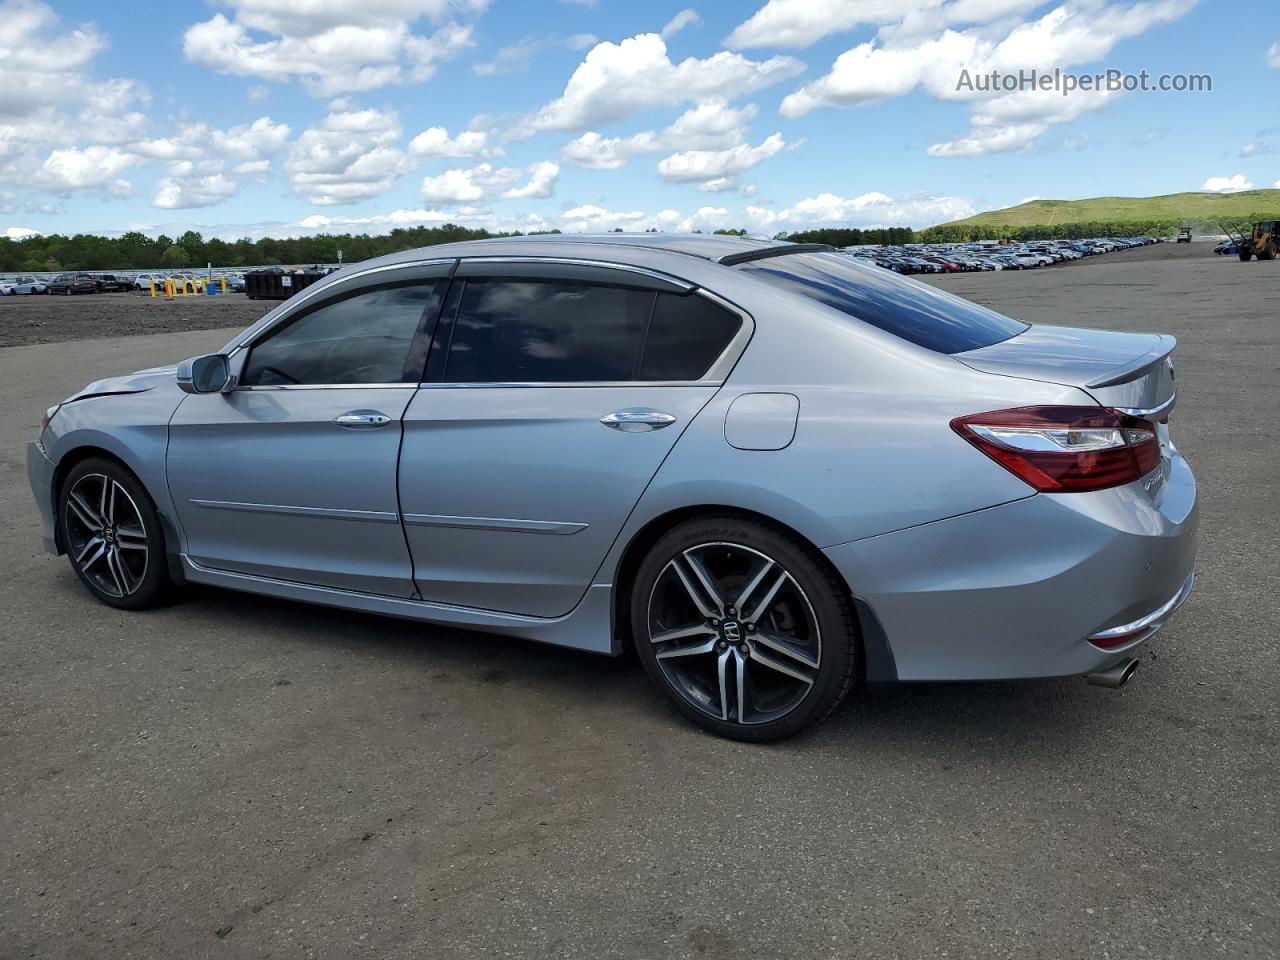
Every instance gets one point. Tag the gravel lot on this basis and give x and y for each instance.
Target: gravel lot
(25, 320)
(239, 777)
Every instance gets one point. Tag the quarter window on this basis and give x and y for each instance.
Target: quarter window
(364, 338)
(685, 337)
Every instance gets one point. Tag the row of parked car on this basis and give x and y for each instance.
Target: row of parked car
(68, 284)
(965, 257)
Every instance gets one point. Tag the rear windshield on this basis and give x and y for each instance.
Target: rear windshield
(906, 308)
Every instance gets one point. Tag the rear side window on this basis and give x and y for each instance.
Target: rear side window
(686, 335)
(520, 331)
(906, 308)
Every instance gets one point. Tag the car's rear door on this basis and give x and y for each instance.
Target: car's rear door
(292, 475)
(554, 392)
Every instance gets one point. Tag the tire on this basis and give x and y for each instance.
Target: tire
(1245, 254)
(753, 674)
(114, 540)
(1268, 252)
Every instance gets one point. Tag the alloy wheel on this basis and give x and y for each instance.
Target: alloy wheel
(106, 535)
(734, 633)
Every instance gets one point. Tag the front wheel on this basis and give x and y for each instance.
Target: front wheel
(112, 535)
(744, 628)
(1245, 254)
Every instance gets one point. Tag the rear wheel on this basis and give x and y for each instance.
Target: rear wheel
(744, 628)
(112, 535)
(1268, 252)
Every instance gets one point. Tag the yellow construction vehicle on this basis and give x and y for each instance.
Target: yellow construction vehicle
(1264, 244)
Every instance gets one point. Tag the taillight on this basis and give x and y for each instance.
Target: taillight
(1065, 449)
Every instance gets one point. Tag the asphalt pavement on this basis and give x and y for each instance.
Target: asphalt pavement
(232, 776)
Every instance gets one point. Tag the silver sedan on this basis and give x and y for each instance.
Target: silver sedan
(774, 471)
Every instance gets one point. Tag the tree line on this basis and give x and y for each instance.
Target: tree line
(136, 251)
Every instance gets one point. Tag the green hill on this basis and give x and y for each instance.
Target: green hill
(1205, 208)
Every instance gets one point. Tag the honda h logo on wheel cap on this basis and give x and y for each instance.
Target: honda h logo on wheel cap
(731, 631)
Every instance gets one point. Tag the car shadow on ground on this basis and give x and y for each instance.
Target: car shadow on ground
(995, 718)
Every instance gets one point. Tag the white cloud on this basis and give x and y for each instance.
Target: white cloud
(718, 169)
(902, 59)
(333, 47)
(485, 181)
(711, 125)
(617, 80)
(20, 233)
(73, 168)
(799, 23)
(197, 156)
(687, 17)
(1273, 55)
(1232, 184)
(511, 59)
(436, 142)
(51, 101)
(351, 155)
(184, 192)
(541, 182)
(867, 210)
(467, 186)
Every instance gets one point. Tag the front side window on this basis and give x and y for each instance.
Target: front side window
(552, 331)
(914, 311)
(364, 338)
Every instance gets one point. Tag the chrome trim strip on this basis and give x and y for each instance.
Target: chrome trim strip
(524, 385)
(329, 386)
(554, 527)
(319, 513)
(1153, 618)
(1157, 411)
(579, 262)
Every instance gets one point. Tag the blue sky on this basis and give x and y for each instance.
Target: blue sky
(284, 117)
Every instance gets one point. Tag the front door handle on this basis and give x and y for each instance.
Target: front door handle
(362, 419)
(638, 420)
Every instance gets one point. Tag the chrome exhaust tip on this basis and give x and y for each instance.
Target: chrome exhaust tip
(1114, 677)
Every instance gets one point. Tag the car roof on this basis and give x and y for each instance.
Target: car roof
(710, 247)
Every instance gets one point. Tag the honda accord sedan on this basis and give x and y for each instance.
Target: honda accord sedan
(776, 472)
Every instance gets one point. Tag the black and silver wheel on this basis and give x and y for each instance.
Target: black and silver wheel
(744, 628)
(112, 535)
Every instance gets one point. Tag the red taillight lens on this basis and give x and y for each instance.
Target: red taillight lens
(1065, 449)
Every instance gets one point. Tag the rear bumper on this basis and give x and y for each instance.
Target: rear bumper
(40, 475)
(1018, 590)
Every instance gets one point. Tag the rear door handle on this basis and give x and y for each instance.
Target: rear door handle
(638, 420)
(362, 419)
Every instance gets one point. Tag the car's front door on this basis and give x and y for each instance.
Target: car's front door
(554, 393)
(292, 474)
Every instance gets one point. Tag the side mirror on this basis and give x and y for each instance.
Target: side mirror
(207, 374)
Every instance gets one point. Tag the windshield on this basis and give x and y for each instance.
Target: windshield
(914, 311)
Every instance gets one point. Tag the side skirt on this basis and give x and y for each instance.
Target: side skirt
(587, 627)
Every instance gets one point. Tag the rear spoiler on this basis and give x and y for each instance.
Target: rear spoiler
(1138, 366)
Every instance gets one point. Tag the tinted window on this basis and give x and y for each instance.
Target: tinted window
(359, 339)
(914, 311)
(510, 331)
(685, 337)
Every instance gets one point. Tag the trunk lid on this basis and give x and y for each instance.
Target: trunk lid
(1129, 371)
